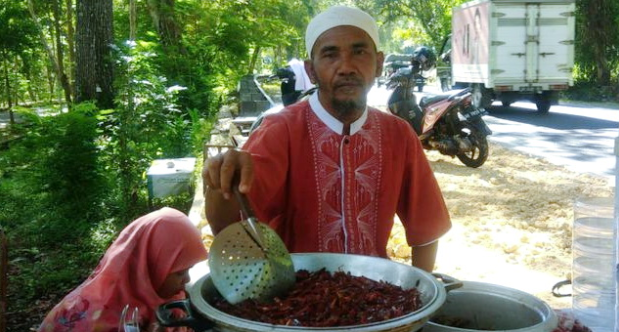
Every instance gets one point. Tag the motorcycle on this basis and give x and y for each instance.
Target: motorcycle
(447, 122)
(401, 64)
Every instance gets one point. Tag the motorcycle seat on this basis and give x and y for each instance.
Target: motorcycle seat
(427, 100)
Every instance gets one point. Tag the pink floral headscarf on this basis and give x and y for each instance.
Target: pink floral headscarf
(131, 272)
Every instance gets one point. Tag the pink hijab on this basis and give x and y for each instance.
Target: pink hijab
(133, 268)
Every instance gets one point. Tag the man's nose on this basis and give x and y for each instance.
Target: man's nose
(347, 64)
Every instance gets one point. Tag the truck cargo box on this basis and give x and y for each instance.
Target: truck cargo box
(513, 50)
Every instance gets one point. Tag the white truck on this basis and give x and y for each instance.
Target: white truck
(510, 50)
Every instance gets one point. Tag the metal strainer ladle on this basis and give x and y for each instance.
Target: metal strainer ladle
(248, 260)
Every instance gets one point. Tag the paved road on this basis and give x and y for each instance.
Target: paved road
(579, 137)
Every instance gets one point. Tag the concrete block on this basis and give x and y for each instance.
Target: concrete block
(247, 107)
(257, 97)
(263, 105)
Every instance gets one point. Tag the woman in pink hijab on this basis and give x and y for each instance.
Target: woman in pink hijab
(145, 267)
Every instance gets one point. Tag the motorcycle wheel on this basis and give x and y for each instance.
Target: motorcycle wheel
(479, 154)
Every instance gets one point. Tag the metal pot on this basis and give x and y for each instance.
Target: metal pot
(201, 316)
(480, 306)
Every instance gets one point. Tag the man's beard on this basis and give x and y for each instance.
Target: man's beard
(349, 106)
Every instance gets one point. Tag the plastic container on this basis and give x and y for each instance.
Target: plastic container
(593, 272)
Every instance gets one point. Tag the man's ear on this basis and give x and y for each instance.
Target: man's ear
(309, 69)
(380, 58)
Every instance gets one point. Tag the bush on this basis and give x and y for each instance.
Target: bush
(588, 91)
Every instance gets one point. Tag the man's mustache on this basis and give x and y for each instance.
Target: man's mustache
(348, 81)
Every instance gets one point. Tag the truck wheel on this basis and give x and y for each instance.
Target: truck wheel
(545, 100)
(506, 103)
(543, 105)
(481, 97)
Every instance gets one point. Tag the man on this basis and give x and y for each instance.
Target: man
(329, 174)
(302, 81)
(289, 94)
(294, 81)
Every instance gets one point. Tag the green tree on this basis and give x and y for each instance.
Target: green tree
(18, 38)
(597, 40)
(56, 58)
(431, 18)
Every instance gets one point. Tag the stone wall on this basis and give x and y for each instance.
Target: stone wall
(253, 100)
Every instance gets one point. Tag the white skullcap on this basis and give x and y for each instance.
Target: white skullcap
(338, 16)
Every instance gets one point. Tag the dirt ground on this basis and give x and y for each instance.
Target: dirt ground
(512, 221)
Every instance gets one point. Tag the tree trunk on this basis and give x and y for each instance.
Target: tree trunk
(50, 82)
(163, 16)
(60, 53)
(132, 20)
(164, 19)
(27, 71)
(94, 66)
(28, 75)
(8, 86)
(71, 44)
(254, 58)
(62, 78)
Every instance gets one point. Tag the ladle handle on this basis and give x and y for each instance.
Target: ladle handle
(244, 202)
(254, 231)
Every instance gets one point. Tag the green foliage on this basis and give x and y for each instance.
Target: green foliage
(181, 202)
(585, 90)
(58, 205)
(200, 131)
(74, 174)
(597, 42)
(431, 20)
(52, 192)
(18, 32)
(146, 125)
(42, 272)
(17, 45)
(63, 174)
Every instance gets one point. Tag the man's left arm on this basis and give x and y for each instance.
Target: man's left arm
(421, 206)
(424, 257)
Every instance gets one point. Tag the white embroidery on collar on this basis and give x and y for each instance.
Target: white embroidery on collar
(333, 123)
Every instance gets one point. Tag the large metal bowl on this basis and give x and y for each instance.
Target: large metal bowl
(479, 306)
(201, 315)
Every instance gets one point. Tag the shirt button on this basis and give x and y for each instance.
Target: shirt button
(346, 141)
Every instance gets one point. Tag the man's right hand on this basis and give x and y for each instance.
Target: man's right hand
(224, 170)
(219, 174)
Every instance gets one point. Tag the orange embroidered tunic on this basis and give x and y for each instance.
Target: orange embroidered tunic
(323, 191)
